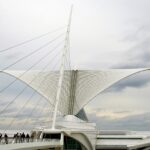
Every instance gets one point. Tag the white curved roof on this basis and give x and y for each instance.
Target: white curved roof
(89, 84)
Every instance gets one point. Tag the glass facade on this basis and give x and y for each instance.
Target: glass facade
(71, 144)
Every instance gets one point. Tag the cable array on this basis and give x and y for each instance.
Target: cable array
(46, 57)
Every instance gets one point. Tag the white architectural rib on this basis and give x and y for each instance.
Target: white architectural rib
(48, 79)
(89, 84)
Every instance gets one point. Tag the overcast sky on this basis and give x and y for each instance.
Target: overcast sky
(104, 34)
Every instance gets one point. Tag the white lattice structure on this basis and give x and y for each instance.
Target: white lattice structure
(78, 88)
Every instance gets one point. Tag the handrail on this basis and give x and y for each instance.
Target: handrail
(12, 140)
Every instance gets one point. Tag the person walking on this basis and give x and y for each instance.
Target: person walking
(23, 137)
(6, 138)
(27, 138)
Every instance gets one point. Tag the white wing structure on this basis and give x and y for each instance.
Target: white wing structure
(91, 83)
(78, 88)
(46, 84)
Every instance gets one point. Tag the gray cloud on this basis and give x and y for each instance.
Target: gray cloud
(122, 112)
(134, 122)
(137, 56)
(11, 114)
(135, 81)
(137, 34)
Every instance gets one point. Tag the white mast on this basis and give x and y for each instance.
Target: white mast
(62, 70)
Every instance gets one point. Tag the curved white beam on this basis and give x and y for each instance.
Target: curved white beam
(91, 83)
(45, 84)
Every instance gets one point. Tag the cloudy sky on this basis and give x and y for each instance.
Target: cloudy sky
(104, 34)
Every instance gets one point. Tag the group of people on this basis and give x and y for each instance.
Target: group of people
(21, 138)
(17, 138)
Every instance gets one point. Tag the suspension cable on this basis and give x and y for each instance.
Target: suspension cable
(41, 110)
(53, 101)
(27, 102)
(47, 88)
(30, 40)
(2, 90)
(18, 94)
(34, 51)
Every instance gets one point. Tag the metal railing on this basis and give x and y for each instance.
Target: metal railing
(12, 140)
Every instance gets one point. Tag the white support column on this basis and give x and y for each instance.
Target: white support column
(61, 71)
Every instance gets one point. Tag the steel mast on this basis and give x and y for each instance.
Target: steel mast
(62, 70)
